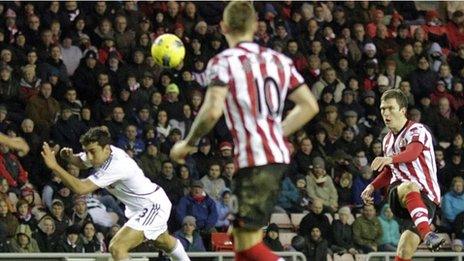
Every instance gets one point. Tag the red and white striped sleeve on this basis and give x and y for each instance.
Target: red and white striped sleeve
(296, 80)
(217, 72)
(417, 133)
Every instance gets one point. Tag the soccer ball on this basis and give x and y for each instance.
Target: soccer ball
(168, 50)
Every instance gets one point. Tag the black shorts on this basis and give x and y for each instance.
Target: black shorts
(402, 213)
(257, 189)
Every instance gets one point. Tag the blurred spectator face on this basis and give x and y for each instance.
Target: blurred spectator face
(343, 64)
(31, 57)
(72, 238)
(27, 126)
(458, 87)
(102, 79)
(262, 28)
(205, 149)
(71, 5)
(100, 7)
(165, 80)
(348, 98)
(131, 132)
(188, 228)
(340, 43)
(156, 98)
(67, 42)
(229, 169)
(351, 120)
(319, 12)
(457, 141)
(3, 208)
(152, 150)
(306, 146)
(86, 113)
(80, 207)
(34, 23)
(187, 76)
(458, 186)
(346, 33)
(23, 240)
(315, 234)
(281, 31)
(445, 70)
(439, 155)
(312, 27)
(343, 217)
(64, 192)
(167, 169)
(162, 117)
(196, 101)
(144, 40)
(6, 55)
(70, 95)
(89, 230)
(187, 111)
(196, 191)
(214, 171)
(377, 148)
(330, 76)
(73, 170)
(199, 65)
(91, 62)
(190, 9)
(129, 5)
(407, 52)
(359, 31)
(121, 24)
(54, 6)
(48, 226)
(47, 37)
(4, 187)
(139, 57)
(66, 114)
(173, 8)
(184, 173)
(345, 180)
(443, 105)
(418, 48)
(46, 90)
(57, 210)
(105, 26)
(292, 47)
(118, 114)
(331, 116)
(106, 91)
(368, 212)
(348, 135)
(419, 34)
(196, 45)
(423, 64)
(314, 62)
(353, 84)
(382, 31)
(201, 28)
(144, 115)
(21, 40)
(55, 53)
(367, 174)
(5, 74)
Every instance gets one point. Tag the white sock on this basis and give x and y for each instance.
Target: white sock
(179, 254)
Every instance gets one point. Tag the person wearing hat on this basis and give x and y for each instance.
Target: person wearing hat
(320, 185)
(349, 103)
(189, 236)
(343, 230)
(225, 149)
(203, 156)
(332, 123)
(271, 238)
(199, 205)
(151, 160)
(441, 91)
(23, 242)
(173, 106)
(85, 75)
(351, 120)
(72, 243)
(80, 214)
(58, 214)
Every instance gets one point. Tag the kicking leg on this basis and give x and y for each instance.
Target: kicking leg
(409, 241)
(125, 240)
(171, 246)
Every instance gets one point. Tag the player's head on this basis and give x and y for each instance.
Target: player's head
(393, 106)
(96, 143)
(239, 20)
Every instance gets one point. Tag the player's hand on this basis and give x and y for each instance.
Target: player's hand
(49, 156)
(380, 162)
(366, 195)
(66, 153)
(180, 150)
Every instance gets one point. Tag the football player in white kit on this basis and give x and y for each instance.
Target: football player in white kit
(147, 205)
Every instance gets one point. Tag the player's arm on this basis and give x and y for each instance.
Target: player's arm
(68, 155)
(305, 109)
(78, 186)
(410, 153)
(209, 113)
(16, 143)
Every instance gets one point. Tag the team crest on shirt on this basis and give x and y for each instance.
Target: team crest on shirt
(403, 143)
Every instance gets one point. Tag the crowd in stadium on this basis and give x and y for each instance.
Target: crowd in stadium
(69, 66)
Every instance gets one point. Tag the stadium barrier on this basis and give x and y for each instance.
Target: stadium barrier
(219, 256)
(457, 256)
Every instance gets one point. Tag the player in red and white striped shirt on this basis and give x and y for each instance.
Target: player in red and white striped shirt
(408, 166)
(250, 84)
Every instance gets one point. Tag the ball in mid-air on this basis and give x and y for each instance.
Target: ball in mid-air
(168, 50)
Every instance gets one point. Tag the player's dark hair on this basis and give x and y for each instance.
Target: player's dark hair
(398, 95)
(238, 16)
(98, 135)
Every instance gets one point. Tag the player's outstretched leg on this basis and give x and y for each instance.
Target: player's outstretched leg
(126, 239)
(172, 246)
(411, 199)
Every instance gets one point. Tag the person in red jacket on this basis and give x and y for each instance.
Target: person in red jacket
(11, 169)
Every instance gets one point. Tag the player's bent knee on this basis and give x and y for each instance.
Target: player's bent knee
(407, 187)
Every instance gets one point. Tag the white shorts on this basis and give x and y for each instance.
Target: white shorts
(152, 219)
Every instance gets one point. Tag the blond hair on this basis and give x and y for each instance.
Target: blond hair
(239, 16)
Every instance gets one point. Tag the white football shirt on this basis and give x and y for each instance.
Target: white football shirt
(123, 178)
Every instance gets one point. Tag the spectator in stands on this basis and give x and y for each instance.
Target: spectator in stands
(11, 168)
(343, 233)
(54, 64)
(453, 202)
(72, 242)
(5, 194)
(25, 216)
(390, 230)
(288, 200)
(163, 127)
(320, 186)
(360, 183)
(80, 215)
(199, 205)
(189, 236)
(303, 158)
(228, 173)
(224, 210)
(329, 78)
(213, 183)
(315, 245)
(68, 129)
(130, 140)
(271, 239)
(367, 230)
(344, 187)
(59, 216)
(23, 241)
(203, 156)
(91, 240)
(151, 160)
(169, 181)
(315, 217)
(8, 219)
(29, 83)
(45, 236)
(331, 123)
